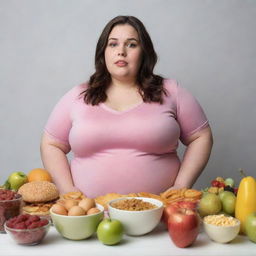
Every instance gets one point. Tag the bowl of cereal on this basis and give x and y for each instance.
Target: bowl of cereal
(139, 215)
(221, 228)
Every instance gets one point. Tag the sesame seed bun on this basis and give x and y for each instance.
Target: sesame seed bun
(38, 191)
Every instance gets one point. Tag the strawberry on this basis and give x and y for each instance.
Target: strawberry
(215, 183)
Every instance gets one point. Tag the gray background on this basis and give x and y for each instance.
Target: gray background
(47, 47)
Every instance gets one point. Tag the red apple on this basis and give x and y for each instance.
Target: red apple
(187, 205)
(183, 227)
(169, 210)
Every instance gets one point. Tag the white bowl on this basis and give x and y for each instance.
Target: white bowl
(137, 223)
(222, 234)
(77, 227)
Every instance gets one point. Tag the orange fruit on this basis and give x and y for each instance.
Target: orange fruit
(39, 174)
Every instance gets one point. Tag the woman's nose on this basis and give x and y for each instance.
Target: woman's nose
(121, 51)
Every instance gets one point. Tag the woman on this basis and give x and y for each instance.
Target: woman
(123, 126)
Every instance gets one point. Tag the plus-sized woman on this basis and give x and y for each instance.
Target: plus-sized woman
(123, 126)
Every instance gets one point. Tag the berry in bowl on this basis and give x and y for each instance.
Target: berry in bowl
(10, 206)
(27, 229)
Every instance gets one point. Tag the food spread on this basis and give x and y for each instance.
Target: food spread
(218, 205)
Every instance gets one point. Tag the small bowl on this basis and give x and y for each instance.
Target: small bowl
(77, 227)
(222, 234)
(28, 236)
(9, 209)
(137, 223)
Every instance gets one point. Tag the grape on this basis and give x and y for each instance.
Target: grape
(228, 188)
(229, 182)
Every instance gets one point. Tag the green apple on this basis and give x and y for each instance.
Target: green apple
(228, 200)
(250, 226)
(17, 179)
(229, 182)
(209, 204)
(110, 232)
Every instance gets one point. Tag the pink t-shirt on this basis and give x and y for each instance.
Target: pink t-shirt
(128, 151)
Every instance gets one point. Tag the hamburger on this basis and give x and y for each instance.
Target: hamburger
(38, 197)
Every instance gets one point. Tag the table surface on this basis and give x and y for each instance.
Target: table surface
(156, 243)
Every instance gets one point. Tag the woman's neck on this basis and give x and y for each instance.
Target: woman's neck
(125, 84)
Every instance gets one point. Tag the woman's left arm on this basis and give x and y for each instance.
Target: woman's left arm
(195, 158)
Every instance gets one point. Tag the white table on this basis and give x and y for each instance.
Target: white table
(156, 243)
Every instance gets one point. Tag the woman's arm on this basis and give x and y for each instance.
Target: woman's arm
(55, 161)
(195, 158)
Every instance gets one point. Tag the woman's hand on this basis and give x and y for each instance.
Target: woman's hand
(174, 187)
(69, 189)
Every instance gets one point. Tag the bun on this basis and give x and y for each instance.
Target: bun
(38, 191)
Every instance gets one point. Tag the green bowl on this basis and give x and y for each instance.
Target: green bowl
(77, 227)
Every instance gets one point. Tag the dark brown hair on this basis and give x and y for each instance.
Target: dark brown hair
(150, 85)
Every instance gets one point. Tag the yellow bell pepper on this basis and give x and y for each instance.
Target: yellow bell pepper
(246, 200)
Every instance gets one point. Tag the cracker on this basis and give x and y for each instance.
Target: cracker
(73, 195)
(183, 194)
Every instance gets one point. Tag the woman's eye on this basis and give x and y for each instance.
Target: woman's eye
(112, 44)
(131, 45)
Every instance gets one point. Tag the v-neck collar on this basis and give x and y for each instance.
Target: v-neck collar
(133, 107)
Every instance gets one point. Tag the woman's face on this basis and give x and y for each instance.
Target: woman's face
(123, 53)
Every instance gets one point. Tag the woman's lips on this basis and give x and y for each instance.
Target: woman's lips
(121, 63)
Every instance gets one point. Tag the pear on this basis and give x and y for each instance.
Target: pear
(228, 200)
(209, 204)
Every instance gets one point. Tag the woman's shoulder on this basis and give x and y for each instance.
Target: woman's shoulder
(80, 87)
(76, 91)
(171, 86)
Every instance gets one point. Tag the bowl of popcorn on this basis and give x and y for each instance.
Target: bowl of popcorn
(139, 215)
(221, 228)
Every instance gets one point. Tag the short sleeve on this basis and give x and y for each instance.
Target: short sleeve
(190, 114)
(59, 122)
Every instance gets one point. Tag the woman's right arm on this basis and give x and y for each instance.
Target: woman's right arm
(53, 155)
